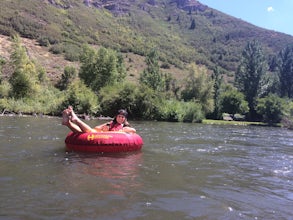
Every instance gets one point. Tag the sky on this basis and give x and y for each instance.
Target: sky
(274, 15)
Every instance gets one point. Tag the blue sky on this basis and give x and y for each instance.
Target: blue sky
(274, 15)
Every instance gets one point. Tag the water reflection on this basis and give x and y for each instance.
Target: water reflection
(116, 172)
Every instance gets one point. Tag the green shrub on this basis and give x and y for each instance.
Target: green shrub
(4, 105)
(47, 101)
(287, 119)
(72, 52)
(5, 89)
(115, 97)
(192, 112)
(271, 108)
(170, 110)
(57, 49)
(232, 101)
(178, 111)
(43, 41)
(82, 98)
(69, 75)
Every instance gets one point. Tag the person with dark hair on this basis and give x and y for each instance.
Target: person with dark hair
(75, 124)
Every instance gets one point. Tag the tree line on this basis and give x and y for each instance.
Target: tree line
(262, 89)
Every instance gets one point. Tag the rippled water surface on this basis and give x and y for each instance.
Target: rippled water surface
(184, 171)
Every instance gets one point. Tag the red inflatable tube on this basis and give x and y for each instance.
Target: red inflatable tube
(103, 142)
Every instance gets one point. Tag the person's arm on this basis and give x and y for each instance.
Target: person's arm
(103, 127)
(129, 129)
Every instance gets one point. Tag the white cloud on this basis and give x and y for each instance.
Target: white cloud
(270, 9)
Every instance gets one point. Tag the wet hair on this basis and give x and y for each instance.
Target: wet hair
(122, 112)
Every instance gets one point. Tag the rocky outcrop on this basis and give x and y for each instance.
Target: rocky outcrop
(115, 6)
(87, 3)
(190, 5)
(122, 6)
(61, 4)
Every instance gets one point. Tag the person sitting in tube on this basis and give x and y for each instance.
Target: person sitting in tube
(75, 124)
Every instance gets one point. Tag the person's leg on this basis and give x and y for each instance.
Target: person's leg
(65, 117)
(66, 121)
(77, 121)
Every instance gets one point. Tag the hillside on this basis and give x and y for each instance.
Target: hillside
(182, 31)
(54, 63)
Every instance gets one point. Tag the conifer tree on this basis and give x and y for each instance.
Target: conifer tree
(249, 74)
(285, 70)
(218, 82)
(192, 26)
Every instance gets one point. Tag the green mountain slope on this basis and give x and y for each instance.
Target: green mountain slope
(182, 31)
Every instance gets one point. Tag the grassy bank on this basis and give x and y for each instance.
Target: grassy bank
(245, 123)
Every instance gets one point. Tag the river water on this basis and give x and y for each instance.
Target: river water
(184, 171)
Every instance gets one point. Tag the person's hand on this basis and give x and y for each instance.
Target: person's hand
(129, 130)
(105, 128)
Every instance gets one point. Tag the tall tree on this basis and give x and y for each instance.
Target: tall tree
(2, 62)
(152, 76)
(24, 81)
(218, 82)
(285, 70)
(249, 74)
(192, 26)
(101, 68)
(199, 88)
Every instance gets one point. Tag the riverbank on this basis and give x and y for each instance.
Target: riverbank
(205, 121)
(82, 116)
(243, 123)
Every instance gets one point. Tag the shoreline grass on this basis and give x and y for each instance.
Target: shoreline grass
(243, 123)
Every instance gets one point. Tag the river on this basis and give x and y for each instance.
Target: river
(184, 171)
